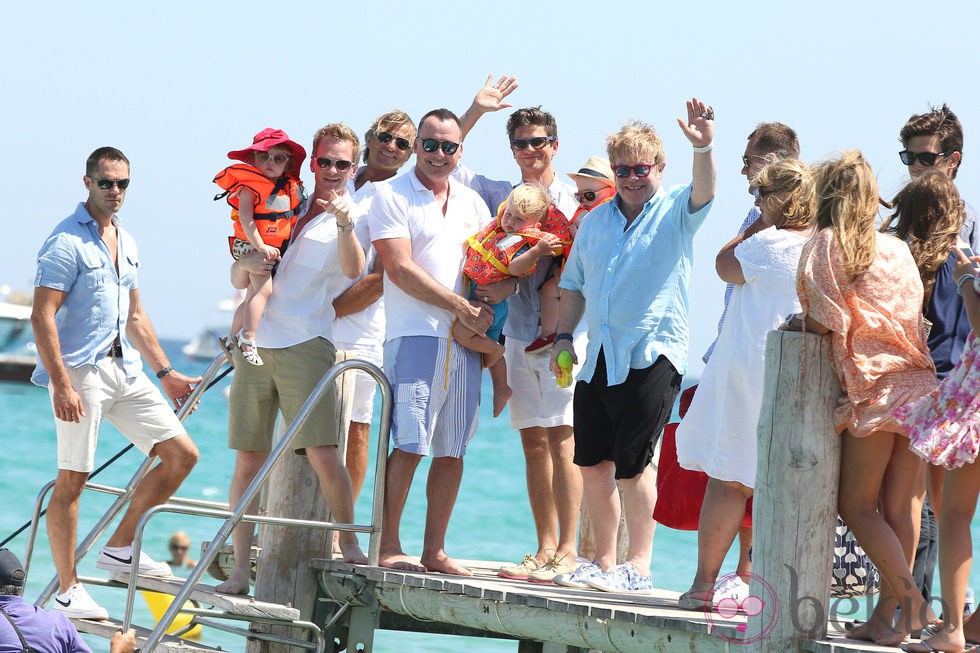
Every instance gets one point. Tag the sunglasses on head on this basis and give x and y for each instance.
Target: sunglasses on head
(925, 158)
(642, 170)
(537, 142)
(340, 164)
(107, 184)
(386, 137)
(277, 159)
(431, 145)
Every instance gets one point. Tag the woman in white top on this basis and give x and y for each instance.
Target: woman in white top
(718, 434)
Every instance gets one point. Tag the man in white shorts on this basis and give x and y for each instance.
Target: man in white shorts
(359, 327)
(90, 330)
(539, 409)
(419, 225)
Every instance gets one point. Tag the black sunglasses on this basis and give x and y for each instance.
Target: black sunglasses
(385, 137)
(107, 184)
(340, 164)
(928, 159)
(642, 170)
(537, 142)
(431, 145)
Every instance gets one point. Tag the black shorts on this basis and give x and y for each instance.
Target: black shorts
(622, 423)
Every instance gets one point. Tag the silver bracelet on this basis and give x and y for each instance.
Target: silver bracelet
(706, 148)
(346, 227)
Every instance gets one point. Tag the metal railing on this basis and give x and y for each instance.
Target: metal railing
(237, 514)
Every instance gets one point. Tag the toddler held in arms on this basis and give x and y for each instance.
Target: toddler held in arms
(509, 246)
(265, 194)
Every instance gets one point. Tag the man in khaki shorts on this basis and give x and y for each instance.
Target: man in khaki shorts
(90, 363)
(296, 333)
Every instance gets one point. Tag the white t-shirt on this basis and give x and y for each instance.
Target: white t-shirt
(407, 209)
(367, 327)
(308, 278)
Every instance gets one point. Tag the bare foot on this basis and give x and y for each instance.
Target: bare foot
(862, 632)
(443, 564)
(500, 399)
(351, 550)
(399, 561)
(237, 586)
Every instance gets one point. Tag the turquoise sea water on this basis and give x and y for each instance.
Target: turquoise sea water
(492, 520)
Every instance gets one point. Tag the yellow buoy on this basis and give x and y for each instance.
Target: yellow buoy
(158, 604)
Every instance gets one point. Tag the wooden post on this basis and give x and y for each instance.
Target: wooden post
(284, 574)
(795, 505)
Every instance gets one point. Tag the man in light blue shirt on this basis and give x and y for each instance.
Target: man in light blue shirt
(628, 274)
(90, 329)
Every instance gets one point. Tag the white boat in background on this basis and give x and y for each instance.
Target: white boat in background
(18, 355)
(205, 346)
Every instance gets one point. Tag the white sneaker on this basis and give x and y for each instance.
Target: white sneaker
(76, 603)
(119, 563)
(731, 587)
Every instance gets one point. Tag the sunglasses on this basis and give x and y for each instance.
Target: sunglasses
(386, 137)
(107, 184)
(537, 142)
(589, 195)
(340, 164)
(642, 170)
(277, 159)
(431, 145)
(925, 158)
(177, 547)
(747, 160)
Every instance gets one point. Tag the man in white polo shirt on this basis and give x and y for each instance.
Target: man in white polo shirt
(419, 225)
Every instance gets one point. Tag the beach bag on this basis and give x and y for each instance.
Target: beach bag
(853, 574)
(680, 492)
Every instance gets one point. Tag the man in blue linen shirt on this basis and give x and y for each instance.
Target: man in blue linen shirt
(628, 273)
(90, 329)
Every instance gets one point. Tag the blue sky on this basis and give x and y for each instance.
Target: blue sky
(177, 85)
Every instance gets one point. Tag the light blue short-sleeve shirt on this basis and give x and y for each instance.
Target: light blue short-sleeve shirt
(75, 261)
(635, 282)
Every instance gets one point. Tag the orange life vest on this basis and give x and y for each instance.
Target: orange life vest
(277, 203)
(490, 252)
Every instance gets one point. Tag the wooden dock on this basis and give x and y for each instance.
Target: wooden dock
(543, 618)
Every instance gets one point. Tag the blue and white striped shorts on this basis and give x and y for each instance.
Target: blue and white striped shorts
(435, 383)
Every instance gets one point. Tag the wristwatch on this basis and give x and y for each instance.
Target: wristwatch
(347, 227)
(165, 371)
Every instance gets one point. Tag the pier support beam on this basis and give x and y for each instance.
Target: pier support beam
(795, 505)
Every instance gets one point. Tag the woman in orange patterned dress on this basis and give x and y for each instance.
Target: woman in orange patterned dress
(863, 288)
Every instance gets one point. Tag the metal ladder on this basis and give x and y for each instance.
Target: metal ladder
(231, 519)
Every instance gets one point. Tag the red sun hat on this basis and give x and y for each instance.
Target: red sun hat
(266, 140)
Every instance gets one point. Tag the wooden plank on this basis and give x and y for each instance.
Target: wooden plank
(169, 644)
(246, 605)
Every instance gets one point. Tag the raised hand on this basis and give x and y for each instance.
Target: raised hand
(700, 126)
(491, 96)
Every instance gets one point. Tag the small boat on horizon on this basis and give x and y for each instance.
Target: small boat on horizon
(18, 354)
(205, 345)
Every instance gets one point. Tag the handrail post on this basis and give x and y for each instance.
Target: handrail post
(795, 501)
(285, 444)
